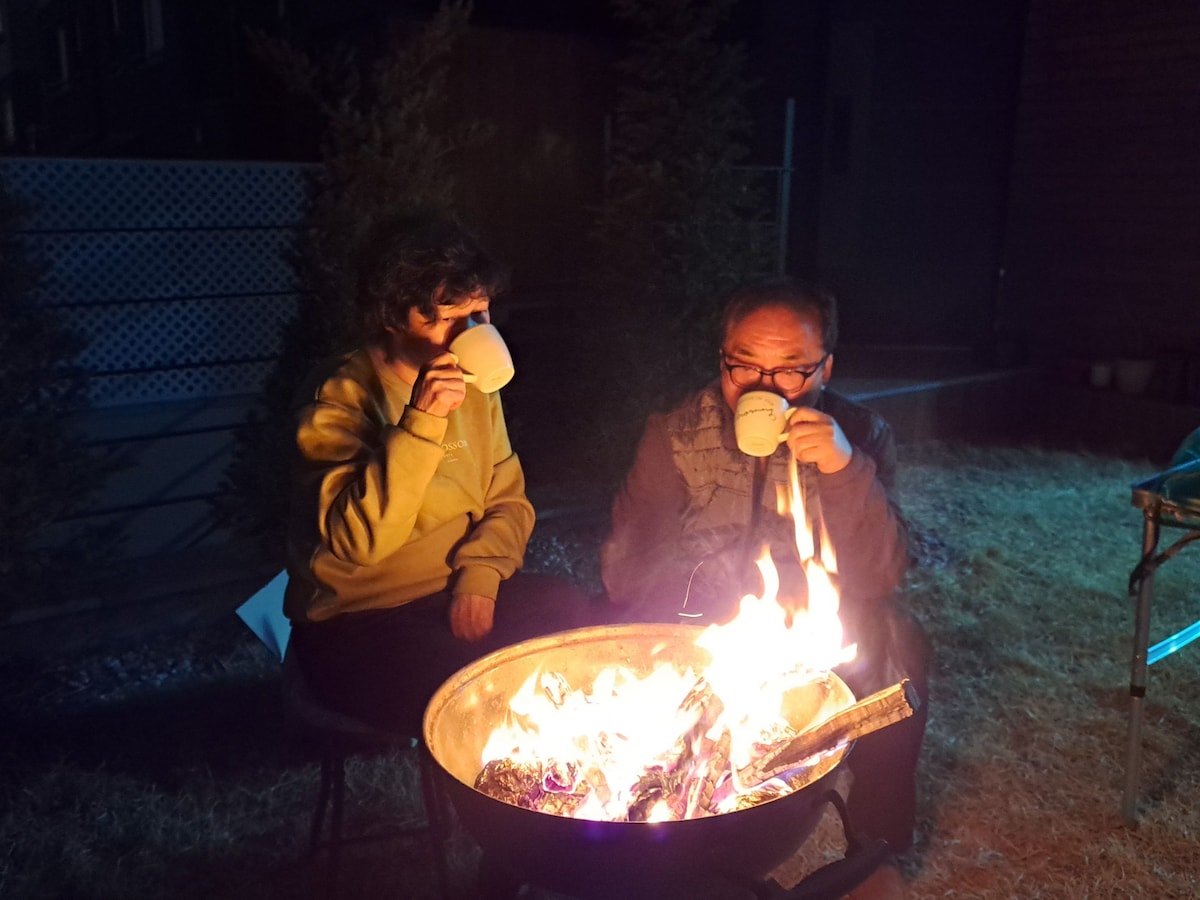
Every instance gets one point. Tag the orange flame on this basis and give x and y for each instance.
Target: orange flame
(624, 723)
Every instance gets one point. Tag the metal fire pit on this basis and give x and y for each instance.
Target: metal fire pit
(590, 859)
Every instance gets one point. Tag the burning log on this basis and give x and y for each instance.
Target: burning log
(715, 767)
(877, 711)
(763, 793)
(679, 780)
(695, 778)
(654, 788)
(511, 781)
(564, 791)
(552, 787)
(686, 790)
(703, 701)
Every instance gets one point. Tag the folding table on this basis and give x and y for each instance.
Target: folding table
(1168, 499)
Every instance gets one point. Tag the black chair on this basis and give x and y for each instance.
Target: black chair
(336, 737)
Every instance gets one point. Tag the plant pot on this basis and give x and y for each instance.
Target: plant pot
(1133, 375)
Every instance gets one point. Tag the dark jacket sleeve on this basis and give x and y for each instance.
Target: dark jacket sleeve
(639, 563)
(866, 530)
(865, 525)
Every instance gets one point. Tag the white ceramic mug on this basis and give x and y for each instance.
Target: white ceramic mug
(484, 358)
(760, 422)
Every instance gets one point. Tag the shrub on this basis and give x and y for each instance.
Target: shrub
(383, 152)
(681, 222)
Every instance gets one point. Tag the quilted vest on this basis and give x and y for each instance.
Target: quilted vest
(719, 477)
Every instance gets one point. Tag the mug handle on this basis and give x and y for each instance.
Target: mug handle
(468, 377)
(787, 421)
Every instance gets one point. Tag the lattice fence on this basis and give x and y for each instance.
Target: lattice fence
(174, 271)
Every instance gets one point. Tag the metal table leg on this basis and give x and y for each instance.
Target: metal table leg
(1138, 670)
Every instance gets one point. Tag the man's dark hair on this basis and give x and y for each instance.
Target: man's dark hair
(420, 262)
(798, 296)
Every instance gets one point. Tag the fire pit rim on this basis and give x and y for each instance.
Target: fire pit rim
(642, 632)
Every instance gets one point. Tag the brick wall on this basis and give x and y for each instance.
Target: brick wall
(1103, 235)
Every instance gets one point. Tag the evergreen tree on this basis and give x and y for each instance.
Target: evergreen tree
(384, 151)
(681, 222)
(47, 473)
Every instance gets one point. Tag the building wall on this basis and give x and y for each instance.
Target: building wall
(143, 78)
(916, 129)
(1103, 246)
(7, 120)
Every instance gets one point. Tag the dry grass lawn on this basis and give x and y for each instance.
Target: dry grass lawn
(1023, 591)
(1024, 559)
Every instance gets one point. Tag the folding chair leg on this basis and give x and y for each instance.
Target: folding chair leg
(332, 796)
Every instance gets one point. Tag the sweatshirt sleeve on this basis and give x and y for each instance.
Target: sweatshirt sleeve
(370, 477)
(495, 548)
(639, 561)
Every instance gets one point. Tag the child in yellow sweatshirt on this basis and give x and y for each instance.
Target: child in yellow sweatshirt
(409, 517)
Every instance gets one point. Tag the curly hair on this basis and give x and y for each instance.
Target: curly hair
(420, 262)
(798, 296)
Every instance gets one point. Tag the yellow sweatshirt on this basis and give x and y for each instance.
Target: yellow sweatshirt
(390, 503)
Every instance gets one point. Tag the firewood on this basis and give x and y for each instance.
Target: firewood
(877, 711)
(654, 787)
(552, 787)
(516, 783)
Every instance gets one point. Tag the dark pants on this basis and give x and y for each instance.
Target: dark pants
(382, 666)
(883, 797)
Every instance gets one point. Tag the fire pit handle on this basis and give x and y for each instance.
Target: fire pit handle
(838, 878)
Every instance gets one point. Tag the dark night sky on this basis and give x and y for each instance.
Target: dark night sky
(589, 16)
(594, 17)
(582, 16)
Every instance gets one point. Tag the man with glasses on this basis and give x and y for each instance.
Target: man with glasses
(692, 504)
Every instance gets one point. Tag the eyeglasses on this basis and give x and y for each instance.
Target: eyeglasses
(786, 380)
